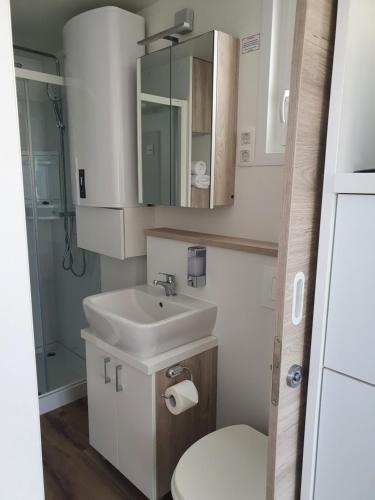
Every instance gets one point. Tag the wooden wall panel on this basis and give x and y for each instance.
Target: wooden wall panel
(175, 433)
(308, 116)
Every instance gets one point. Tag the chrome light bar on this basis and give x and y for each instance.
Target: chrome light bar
(184, 23)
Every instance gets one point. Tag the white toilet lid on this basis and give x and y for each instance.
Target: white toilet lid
(227, 464)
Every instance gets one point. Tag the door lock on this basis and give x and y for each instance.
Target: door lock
(295, 376)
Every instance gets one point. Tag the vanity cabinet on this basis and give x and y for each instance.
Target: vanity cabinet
(120, 416)
(187, 112)
(129, 423)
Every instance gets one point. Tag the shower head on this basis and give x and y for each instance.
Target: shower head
(53, 92)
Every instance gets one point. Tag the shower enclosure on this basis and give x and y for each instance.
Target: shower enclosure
(61, 274)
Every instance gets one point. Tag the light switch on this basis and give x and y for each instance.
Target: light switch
(269, 287)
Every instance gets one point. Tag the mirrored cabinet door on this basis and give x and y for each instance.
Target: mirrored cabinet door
(154, 128)
(201, 75)
(192, 86)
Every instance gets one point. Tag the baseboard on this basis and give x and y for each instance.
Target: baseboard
(62, 396)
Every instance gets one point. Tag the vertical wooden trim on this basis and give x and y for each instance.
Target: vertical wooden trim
(201, 96)
(308, 116)
(176, 433)
(226, 119)
(200, 198)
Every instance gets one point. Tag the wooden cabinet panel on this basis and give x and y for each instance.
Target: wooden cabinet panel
(351, 315)
(346, 444)
(201, 96)
(175, 433)
(101, 404)
(226, 119)
(200, 198)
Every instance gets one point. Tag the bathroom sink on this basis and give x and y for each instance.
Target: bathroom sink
(144, 322)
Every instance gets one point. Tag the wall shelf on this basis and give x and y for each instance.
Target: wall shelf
(350, 183)
(215, 240)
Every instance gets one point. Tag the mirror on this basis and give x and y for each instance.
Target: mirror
(154, 99)
(175, 123)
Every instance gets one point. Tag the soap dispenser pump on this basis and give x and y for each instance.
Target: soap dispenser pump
(196, 276)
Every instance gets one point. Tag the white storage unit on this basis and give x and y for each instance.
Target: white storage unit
(351, 313)
(346, 448)
(123, 400)
(117, 233)
(121, 417)
(100, 68)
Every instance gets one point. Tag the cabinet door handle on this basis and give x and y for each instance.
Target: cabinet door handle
(118, 385)
(107, 379)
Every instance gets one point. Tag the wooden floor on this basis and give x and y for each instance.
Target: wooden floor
(72, 469)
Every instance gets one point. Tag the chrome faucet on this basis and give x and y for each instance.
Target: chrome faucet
(169, 284)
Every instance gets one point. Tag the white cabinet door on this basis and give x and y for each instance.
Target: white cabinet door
(351, 318)
(346, 444)
(101, 403)
(135, 410)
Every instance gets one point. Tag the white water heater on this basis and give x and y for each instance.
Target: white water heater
(100, 69)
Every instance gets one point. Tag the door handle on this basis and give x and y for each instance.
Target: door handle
(284, 105)
(295, 376)
(298, 298)
(107, 379)
(119, 387)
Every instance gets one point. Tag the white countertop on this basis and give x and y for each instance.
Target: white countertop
(155, 363)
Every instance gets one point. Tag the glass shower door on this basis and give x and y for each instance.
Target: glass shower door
(56, 293)
(32, 231)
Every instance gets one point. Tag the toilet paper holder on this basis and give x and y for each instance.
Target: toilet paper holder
(175, 371)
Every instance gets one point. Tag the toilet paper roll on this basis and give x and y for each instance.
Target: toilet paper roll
(181, 397)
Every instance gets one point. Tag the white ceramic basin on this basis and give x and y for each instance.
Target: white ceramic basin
(144, 322)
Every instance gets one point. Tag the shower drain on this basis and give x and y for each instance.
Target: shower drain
(50, 354)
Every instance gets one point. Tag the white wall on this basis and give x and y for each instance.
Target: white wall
(258, 194)
(122, 273)
(235, 282)
(20, 449)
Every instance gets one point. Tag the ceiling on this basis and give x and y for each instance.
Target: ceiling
(38, 23)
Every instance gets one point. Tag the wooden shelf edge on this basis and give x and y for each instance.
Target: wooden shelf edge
(215, 240)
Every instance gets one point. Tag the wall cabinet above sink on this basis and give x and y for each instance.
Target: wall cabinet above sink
(187, 113)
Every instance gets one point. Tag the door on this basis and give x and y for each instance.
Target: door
(135, 417)
(346, 443)
(304, 164)
(351, 314)
(101, 402)
(20, 455)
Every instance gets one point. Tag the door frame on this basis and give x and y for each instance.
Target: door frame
(21, 456)
(326, 242)
(298, 245)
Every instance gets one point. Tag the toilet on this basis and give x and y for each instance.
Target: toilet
(228, 464)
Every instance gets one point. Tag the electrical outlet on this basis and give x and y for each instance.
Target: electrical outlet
(244, 156)
(246, 147)
(245, 138)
